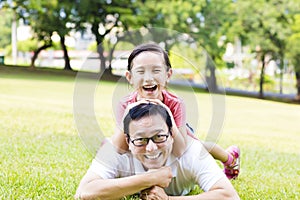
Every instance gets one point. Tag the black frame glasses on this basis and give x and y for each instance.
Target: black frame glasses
(157, 139)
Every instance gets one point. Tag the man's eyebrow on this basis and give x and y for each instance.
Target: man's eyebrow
(158, 130)
(143, 134)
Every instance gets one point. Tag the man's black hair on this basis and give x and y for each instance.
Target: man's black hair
(144, 110)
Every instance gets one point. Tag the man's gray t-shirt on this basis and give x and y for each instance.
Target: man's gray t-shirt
(195, 167)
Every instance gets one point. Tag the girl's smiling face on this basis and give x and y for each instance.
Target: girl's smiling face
(149, 75)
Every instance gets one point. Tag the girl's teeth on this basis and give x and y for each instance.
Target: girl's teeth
(150, 88)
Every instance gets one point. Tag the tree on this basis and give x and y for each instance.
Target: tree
(45, 18)
(202, 20)
(294, 51)
(265, 31)
(104, 17)
(5, 23)
(210, 24)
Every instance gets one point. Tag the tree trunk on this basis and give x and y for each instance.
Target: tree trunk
(211, 79)
(66, 56)
(262, 75)
(111, 56)
(36, 53)
(298, 85)
(100, 50)
(281, 75)
(102, 58)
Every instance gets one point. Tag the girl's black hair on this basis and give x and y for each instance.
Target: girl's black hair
(151, 47)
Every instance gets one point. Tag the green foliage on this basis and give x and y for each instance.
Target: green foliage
(28, 45)
(55, 46)
(264, 26)
(93, 46)
(294, 43)
(269, 24)
(124, 46)
(5, 24)
(269, 83)
(187, 62)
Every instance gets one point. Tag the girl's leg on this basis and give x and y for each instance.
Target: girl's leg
(229, 157)
(217, 152)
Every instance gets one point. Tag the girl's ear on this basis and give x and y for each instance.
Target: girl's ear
(169, 74)
(128, 76)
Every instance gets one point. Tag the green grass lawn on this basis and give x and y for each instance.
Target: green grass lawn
(42, 156)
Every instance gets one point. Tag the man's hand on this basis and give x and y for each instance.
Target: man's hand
(154, 193)
(162, 176)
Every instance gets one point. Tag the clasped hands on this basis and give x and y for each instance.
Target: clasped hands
(163, 177)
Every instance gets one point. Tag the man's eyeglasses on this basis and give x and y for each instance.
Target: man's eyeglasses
(159, 138)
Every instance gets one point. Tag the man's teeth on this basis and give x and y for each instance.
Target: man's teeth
(152, 156)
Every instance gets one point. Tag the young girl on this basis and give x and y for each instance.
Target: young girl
(149, 70)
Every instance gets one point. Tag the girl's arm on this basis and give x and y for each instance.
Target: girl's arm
(119, 141)
(180, 141)
(179, 133)
(119, 138)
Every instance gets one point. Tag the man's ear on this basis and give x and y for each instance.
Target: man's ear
(127, 139)
(128, 142)
(128, 76)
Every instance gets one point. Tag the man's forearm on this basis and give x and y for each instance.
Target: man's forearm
(115, 188)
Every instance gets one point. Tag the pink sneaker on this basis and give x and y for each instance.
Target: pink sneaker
(232, 170)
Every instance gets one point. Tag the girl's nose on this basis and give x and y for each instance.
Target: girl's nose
(151, 146)
(148, 76)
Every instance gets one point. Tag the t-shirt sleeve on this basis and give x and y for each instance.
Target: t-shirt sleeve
(119, 114)
(121, 107)
(109, 164)
(106, 161)
(177, 107)
(180, 114)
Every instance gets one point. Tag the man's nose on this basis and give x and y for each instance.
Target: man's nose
(151, 146)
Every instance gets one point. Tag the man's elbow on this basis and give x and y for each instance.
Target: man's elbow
(82, 195)
(225, 190)
(230, 194)
(89, 188)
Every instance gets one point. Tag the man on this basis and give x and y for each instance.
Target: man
(149, 167)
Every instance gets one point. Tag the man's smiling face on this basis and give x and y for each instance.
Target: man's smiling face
(153, 155)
